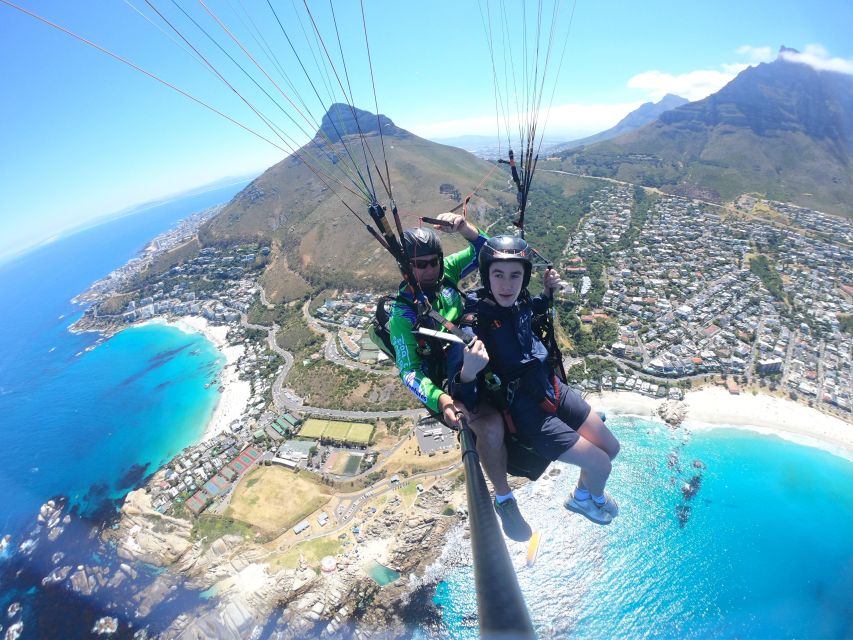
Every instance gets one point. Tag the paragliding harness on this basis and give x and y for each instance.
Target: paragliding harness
(522, 458)
(431, 350)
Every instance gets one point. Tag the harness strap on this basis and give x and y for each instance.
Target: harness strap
(548, 405)
(509, 425)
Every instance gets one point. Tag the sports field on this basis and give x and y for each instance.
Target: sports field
(313, 428)
(274, 498)
(360, 433)
(350, 432)
(343, 464)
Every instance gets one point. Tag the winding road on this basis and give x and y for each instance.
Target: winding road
(285, 400)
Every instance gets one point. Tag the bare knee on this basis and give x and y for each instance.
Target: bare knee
(489, 428)
(613, 449)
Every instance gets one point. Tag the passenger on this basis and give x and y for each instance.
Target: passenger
(423, 374)
(553, 418)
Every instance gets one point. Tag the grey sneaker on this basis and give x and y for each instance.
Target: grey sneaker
(513, 523)
(603, 514)
(609, 505)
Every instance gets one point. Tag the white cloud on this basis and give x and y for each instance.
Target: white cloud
(693, 85)
(756, 54)
(568, 122)
(818, 58)
(701, 83)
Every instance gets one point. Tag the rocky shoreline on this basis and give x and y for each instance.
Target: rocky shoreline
(672, 412)
(298, 602)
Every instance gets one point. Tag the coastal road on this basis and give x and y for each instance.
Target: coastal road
(286, 400)
(331, 350)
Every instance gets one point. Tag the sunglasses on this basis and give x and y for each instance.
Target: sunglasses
(423, 264)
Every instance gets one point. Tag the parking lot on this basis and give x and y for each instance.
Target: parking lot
(434, 436)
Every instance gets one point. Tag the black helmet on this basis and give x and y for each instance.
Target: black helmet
(423, 241)
(505, 249)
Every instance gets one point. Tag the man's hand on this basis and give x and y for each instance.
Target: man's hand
(474, 360)
(550, 282)
(457, 224)
(450, 410)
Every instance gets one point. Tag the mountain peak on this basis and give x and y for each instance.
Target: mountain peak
(783, 50)
(343, 120)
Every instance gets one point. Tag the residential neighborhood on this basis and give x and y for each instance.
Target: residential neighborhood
(688, 303)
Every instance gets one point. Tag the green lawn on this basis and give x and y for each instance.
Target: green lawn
(313, 428)
(313, 551)
(360, 433)
(337, 431)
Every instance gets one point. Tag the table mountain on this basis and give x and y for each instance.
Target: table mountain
(783, 129)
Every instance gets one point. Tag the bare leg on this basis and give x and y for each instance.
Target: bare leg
(488, 425)
(594, 463)
(594, 430)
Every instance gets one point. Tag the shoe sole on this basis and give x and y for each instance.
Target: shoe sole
(568, 505)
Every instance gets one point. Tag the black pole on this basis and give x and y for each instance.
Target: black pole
(502, 610)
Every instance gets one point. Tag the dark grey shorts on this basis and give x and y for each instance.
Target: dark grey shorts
(551, 435)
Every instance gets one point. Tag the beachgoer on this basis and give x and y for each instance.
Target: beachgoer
(422, 363)
(542, 409)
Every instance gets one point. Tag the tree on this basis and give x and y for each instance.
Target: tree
(606, 332)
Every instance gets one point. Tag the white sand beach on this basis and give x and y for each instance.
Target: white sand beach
(714, 407)
(235, 396)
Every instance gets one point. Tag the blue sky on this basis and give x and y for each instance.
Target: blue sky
(84, 135)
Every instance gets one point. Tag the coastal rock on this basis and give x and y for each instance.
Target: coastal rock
(82, 582)
(672, 412)
(14, 631)
(57, 575)
(155, 593)
(105, 626)
(311, 602)
(233, 619)
(130, 571)
(47, 511)
(118, 578)
(148, 536)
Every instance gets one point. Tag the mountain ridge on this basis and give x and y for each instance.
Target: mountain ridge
(317, 241)
(639, 117)
(782, 129)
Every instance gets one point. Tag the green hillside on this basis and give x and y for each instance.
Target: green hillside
(321, 243)
(782, 129)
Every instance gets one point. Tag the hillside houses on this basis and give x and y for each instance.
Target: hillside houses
(234, 288)
(352, 309)
(688, 304)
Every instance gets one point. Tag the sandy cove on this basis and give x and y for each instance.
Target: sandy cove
(234, 398)
(714, 407)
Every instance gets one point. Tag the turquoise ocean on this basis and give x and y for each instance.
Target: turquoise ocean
(760, 549)
(85, 420)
